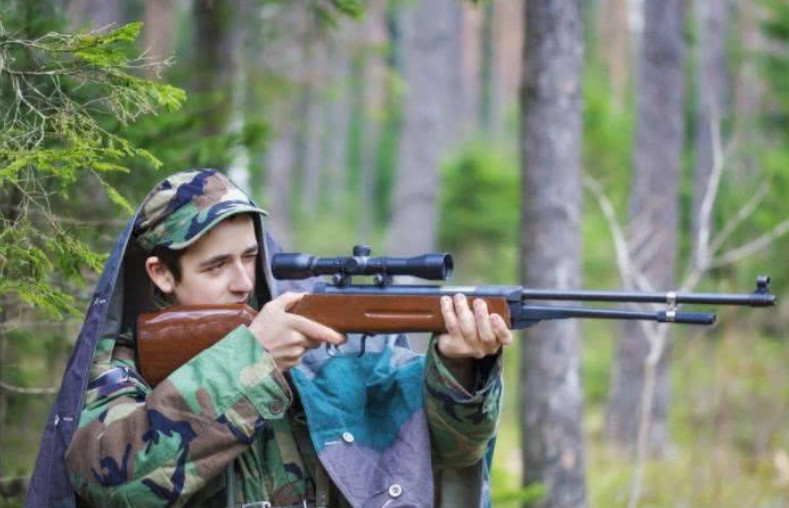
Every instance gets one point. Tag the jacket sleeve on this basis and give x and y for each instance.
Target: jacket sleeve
(462, 424)
(137, 446)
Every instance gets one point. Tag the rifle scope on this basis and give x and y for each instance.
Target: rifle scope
(298, 266)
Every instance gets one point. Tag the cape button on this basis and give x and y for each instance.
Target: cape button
(395, 490)
(276, 407)
(347, 437)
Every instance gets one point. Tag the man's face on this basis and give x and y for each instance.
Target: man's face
(219, 267)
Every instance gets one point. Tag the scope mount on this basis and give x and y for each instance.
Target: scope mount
(345, 278)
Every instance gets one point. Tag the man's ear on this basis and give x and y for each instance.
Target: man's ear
(160, 275)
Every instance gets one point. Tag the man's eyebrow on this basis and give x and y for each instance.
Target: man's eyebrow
(223, 257)
(214, 260)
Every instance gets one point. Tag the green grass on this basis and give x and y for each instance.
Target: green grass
(729, 421)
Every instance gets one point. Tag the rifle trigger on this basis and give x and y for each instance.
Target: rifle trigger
(362, 345)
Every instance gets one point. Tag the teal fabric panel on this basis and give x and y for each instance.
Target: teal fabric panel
(365, 396)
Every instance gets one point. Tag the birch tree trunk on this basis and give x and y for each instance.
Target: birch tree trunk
(653, 221)
(711, 20)
(550, 395)
(432, 68)
(749, 91)
(613, 34)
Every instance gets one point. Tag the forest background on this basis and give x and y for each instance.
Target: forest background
(603, 144)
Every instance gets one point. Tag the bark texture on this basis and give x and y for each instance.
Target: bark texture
(215, 61)
(158, 31)
(711, 20)
(653, 217)
(614, 47)
(551, 399)
(431, 60)
(94, 14)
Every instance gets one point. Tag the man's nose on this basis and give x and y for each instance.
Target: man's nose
(242, 281)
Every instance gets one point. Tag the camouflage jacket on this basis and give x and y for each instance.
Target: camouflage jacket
(389, 428)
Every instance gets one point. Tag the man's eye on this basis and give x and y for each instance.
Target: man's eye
(216, 267)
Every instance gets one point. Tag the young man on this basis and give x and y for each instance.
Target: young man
(264, 417)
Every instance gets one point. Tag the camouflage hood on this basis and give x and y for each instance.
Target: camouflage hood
(367, 416)
(120, 295)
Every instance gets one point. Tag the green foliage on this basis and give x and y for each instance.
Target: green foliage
(480, 193)
(57, 91)
(607, 136)
(329, 12)
(507, 493)
(479, 213)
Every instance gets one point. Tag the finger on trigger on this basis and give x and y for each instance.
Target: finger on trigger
(316, 331)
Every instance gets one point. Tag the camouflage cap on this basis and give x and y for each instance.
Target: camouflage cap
(186, 205)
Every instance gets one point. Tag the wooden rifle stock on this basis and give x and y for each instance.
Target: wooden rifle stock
(169, 338)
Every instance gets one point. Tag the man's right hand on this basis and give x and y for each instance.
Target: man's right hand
(287, 336)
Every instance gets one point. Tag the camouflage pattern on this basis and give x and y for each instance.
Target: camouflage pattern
(138, 446)
(169, 446)
(186, 205)
(462, 424)
(283, 438)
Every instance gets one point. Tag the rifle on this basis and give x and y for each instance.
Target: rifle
(167, 339)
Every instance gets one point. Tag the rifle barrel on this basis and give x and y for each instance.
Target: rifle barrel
(756, 299)
(750, 299)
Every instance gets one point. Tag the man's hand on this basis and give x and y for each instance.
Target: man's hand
(287, 336)
(471, 334)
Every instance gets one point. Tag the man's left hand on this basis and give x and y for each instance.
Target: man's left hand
(471, 333)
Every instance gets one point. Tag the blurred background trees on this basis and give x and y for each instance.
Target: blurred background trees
(399, 124)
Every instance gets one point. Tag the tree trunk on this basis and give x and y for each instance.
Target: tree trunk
(3, 395)
(550, 394)
(509, 29)
(158, 31)
(284, 57)
(711, 19)
(388, 141)
(336, 122)
(374, 75)
(281, 158)
(430, 30)
(94, 14)
(314, 110)
(487, 54)
(748, 100)
(652, 217)
(215, 61)
(9, 215)
(613, 46)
